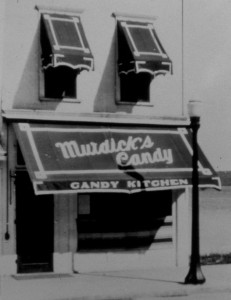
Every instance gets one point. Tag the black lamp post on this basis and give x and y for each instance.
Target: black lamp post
(195, 275)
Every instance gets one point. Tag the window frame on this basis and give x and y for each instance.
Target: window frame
(130, 102)
(44, 98)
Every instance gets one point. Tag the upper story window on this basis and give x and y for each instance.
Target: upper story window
(65, 53)
(141, 57)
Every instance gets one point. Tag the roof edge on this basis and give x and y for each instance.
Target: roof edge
(40, 115)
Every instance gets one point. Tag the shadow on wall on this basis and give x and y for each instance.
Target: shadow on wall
(28, 92)
(105, 100)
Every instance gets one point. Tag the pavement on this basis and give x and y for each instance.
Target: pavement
(215, 221)
(156, 283)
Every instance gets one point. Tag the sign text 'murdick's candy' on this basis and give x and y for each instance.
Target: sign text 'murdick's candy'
(131, 151)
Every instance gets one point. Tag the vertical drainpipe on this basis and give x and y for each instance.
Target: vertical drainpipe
(2, 23)
(182, 50)
(3, 134)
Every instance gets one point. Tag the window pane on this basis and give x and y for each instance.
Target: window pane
(121, 221)
(60, 82)
(135, 87)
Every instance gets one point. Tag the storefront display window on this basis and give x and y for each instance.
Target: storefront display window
(121, 221)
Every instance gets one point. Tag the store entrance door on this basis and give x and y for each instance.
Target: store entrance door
(34, 227)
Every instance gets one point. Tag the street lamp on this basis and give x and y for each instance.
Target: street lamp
(195, 275)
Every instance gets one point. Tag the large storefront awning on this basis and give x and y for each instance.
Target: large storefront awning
(65, 158)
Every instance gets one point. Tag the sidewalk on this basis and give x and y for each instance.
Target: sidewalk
(162, 283)
(215, 221)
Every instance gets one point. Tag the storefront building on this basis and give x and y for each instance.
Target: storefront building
(96, 145)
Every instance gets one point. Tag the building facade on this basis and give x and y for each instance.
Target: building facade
(96, 150)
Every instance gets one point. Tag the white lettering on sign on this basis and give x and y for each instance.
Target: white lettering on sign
(94, 185)
(165, 155)
(130, 184)
(72, 149)
(122, 148)
(133, 184)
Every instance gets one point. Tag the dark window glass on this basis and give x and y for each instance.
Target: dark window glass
(135, 87)
(121, 221)
(60, 82)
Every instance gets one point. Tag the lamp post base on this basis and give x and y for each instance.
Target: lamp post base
(195, 276)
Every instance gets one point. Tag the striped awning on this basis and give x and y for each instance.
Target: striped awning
(72, 158)
(64, 43)
(140, 49)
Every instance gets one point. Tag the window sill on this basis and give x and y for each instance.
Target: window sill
(66, 100)
(138, 103)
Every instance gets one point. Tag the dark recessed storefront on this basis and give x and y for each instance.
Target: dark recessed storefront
(116, 222)
(34, 227)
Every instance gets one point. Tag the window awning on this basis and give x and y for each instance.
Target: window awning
(139, 48)
(64, 43)
(65, 158)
